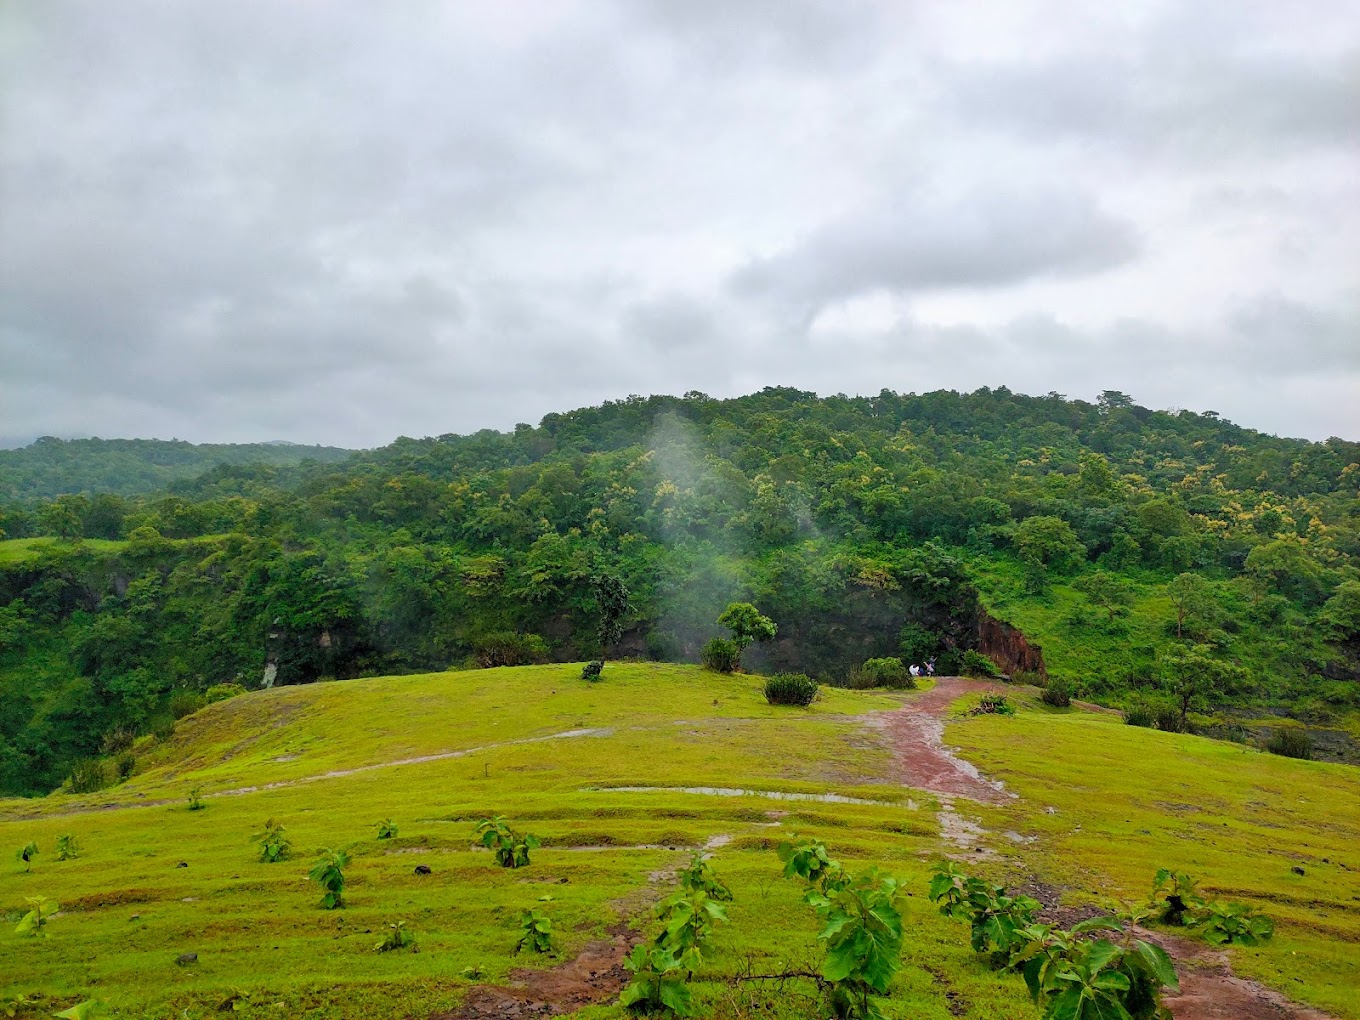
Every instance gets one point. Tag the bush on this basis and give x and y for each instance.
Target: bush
(1031, 677)
(163, 727)
(1291, 743)
(1139, 713)
(184, 703)
(1153, 713)
(125, 764)
(221, 692)
(886, 672)
(790, 689)
(592, 670)
(89, 775)
(507, 648)
(117, 739)
(976, 664)
(993, 704)
(721, 655)
(1058, 693)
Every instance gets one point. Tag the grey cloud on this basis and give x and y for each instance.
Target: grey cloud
(989, 239)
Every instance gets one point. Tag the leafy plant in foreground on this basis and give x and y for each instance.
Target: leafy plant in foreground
(995, 917)
(274, 845)
(1180, 902)
(658, 981)
(1076, 978)
(1226, 923)
(993, 704)
(699, 876)
(67, 848)
(510, 847)
(592, 670)
(535, 932)
(87, 1010)
(11, 1005)
(33, 923)
(196, 800)
(862, 927)
(26, 853)
(387, 829)
(396, 938)
(329, 873)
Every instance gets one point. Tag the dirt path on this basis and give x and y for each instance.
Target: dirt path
(1209, 989)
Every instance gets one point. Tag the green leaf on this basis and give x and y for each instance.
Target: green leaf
(1157, 963)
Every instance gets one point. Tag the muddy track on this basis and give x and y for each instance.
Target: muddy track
(1209, 989)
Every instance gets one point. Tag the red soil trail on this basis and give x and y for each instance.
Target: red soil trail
(917, 731)
(1209, 989)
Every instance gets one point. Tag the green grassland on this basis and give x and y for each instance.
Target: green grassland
(1109, 804)
(544, 748)
(18, 550)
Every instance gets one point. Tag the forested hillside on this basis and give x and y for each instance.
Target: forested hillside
(1172, 561)
(125, 467)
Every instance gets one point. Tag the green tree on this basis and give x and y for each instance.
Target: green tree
(747, 625)
(1192, 597)
(1106, 591)
(613, 600)
(1341, 614)
(1196, 679)
(1049, 542)
(1286, 567)
(60, 518)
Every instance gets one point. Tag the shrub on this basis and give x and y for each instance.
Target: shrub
(1139, 713)
(1167, 718)
(26, 853)
(119, 738)
(163, 727)
(184, 703)
(387, 829)
(125, 764)
(274, 845)
(1058, 693)
(535, 932)
(790, 689)
(885, 672)
(721, 655)
(196, 799)
(1226, 923)
(33, 923)
(396, 938)
(993, 704)
(976, 664)
(508, 648)
(510, 847)
(221, 692)
(1291, 743)
(1031, 677)
(592, 670)
(89, 775)
(329, 873)
(67, 848)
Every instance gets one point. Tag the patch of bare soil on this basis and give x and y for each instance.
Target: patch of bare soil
(595, 975)
(917, 732)
(1209, 989)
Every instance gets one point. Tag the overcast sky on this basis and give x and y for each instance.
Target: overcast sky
(226, 220)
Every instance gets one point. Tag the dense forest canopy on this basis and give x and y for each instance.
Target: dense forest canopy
(1128, 542)
(52, 467)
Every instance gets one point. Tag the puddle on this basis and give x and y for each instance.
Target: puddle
(732, 791)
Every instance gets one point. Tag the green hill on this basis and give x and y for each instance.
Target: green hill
(52, 467)
(434, 753)
(1133, 550)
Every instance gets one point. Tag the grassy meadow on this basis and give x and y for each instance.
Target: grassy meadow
(436, 752)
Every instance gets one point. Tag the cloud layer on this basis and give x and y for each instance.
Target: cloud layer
(318, 222)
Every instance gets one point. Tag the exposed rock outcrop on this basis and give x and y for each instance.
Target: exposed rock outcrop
(1007, 647)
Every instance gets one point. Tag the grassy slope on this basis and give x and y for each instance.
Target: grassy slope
(17, 550)
(130, 911)
(1128, 801)
(256, 926)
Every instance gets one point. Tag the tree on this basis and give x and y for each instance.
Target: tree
(1106, 591)
(1196, 679)
(1049, 542)
(60, 518)
(1193, 599)
(614, 600)
(1286, 567)
(746, 624)
(1341, 613)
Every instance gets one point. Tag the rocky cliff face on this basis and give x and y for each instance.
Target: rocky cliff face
(1007, 647)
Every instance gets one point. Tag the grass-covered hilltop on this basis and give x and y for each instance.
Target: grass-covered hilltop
(1197, 574)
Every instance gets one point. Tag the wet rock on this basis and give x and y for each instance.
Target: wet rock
(184, 959)
(423, 869)
(182, 864)
(1296, 870)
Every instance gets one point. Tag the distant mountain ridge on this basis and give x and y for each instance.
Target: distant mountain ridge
(51, 467)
